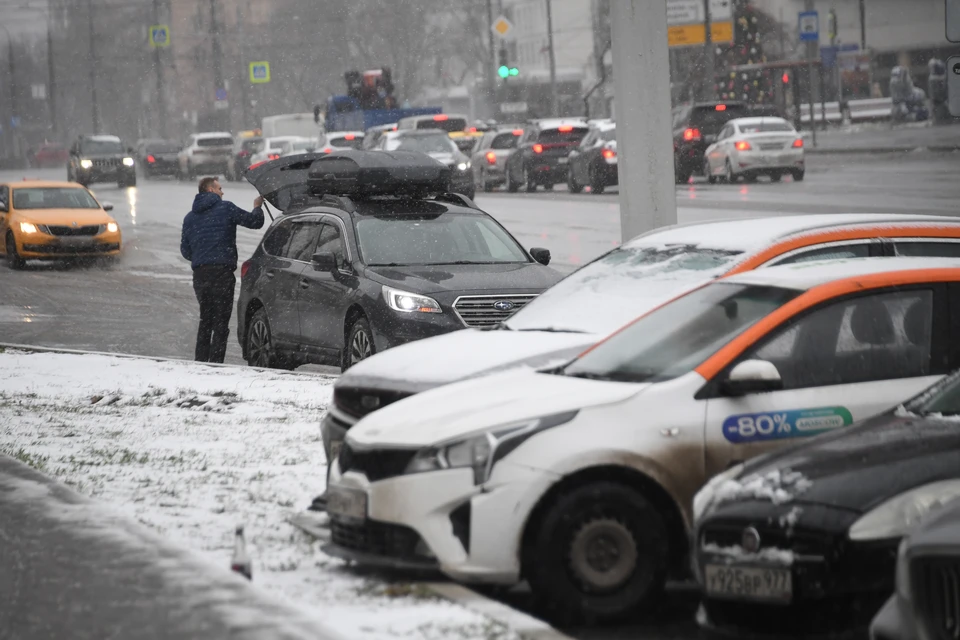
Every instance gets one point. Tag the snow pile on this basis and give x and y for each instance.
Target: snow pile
(902, 412)
(737, 555)
(191, 451)
(776, 486)
(789, 520)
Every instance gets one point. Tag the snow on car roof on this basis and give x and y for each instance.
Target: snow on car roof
(759, 119)
(806, 275)
(213, 134)
(753, 234)
(103, 138)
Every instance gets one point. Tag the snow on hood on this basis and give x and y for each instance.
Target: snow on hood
(473, 406)
(776, 486)
(738, 555)
(462, 354)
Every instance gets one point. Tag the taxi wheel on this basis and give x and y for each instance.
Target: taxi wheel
(599, 554)
(14, 261)
(360, 344)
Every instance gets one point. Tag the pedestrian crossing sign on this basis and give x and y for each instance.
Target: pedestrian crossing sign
(259, 72)
(159, 35)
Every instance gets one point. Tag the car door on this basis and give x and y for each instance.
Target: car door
(842, 361)
(278, 284)
(324, 295)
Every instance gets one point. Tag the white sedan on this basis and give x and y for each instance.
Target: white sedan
(750, 147)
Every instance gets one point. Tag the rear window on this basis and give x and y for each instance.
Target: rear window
(709, 120)
(351, 141)
(252, 145)
(505, 141)
(215, 142)
(556, 136)
(163, 147)
(445, 124)
(764, 127)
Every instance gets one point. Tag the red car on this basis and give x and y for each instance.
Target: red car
(49, 155)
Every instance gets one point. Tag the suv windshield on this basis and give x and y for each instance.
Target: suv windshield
(449, 238)
(100, 147)
(439, 143)
(53, 198)
(675, 338)
(623, 283)
(163, 147)
(346, 142)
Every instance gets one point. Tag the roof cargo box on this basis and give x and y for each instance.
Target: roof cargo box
(378, 173)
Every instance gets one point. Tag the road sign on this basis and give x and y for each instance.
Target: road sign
(159, 35)
(220, 105)
(220, 95)
(809, 26)
(38, 91)
(683, 12)
(696, 34)
(828, 55)
(513, 107)
(259, 72)
(502, 27)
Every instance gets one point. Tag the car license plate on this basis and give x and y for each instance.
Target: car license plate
(748, 583)
(76, 242)
(347, 503)
(335, 446)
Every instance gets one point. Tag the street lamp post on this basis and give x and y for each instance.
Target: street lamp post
(13, 88)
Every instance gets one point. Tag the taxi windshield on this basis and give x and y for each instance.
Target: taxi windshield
(53, 198)
(677, 337)
(439, 143)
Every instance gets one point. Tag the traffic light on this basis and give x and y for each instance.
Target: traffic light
(505, 70)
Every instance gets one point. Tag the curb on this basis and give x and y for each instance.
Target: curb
(892, 149)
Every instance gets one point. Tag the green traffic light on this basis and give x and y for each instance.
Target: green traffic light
(503, 71)
(514, 71)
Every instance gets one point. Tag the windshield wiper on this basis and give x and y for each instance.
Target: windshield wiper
(433, 264)
(388, 264)
(554, 330)
(587, 375)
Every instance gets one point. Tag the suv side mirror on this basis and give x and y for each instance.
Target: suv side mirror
(540, 255)
(324, 261)
(752, 376)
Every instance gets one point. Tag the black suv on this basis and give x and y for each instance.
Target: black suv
(695, 127)
(372, 252)
(101, 158)
(541, 157)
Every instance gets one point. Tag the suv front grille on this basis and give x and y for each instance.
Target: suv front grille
(936, 582)
(488, 311)
(62, 230)
(378, 464)
(359, 402)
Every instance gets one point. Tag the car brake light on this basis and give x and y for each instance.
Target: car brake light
(721, 107)
(255, 165)
(151, 159)
(566, 128)
(349, 136)
(798, 143)
(538, 148)
(244, 268)
(491, 157)
(518, 132)
(394, 127)
(274, 156)
(743, 145)
(327, 150)
(691, 134)
(472, 130)
(608, 153)
(440, 117)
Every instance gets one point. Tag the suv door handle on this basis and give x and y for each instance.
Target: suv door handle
(304, 283)
(271, 273)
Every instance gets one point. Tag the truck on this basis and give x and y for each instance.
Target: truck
(369, 103)
(290, 124)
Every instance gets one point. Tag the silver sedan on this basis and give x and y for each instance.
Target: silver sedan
(750, 147)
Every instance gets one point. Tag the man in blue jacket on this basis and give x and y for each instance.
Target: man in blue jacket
(209, 242)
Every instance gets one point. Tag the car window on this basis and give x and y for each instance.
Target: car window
(833, 252)
(875, 337)
(4, 195)
(331, 241)
(766, 126)
(571, 136)
(304, 240)
(215, 142)
(276, 242)
(588, 140)
(710, 120)
(505, 141)
(427, 144)
(350, 141)
(609, 135)
(928, 249)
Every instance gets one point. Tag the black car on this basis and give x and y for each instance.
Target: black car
(542, 155)
(695, 127)
(438, 145)
(594, 162)
(158, 157)
(372, 252)
(926, 605)
(101, 158)
(804, 541)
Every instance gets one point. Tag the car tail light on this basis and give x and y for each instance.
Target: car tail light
(798, 143)
(349, 136)
(151, 159)
(255, 165)
(472, 130)
(244, 268)
(491, 157)
(440, 117)
(538, 148)
(274, 156)
(691, 134)
(743, 145)
(608, 153)
(721, 107)
(394, 127)
(326, 150)
(565, 128)
(518, 132)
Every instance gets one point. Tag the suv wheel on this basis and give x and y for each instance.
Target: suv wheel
(528, 184)
(360, 344)
(261, 350)
(512, 186)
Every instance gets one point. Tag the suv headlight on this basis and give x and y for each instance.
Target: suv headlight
(895, 517)
(480, 452)
(463, 166)
(86, 164)
(706, 496)
(407, 302)
(128, 162)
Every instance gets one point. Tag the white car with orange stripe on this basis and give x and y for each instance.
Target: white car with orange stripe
(580, 479)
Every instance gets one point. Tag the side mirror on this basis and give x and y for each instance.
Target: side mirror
(324, 261)
(3, 207)
(752, 376)
(540, 255)
(108, 206)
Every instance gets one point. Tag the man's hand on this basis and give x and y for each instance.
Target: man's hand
(258, 202)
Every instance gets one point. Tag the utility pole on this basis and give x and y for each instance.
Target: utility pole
(13, 92)
(217, 53)
(811, 56)
(93, 69)
(863, 27)
(51, 77)
(553, 60)
(641, 75)
(244, 80)
(492, 64)
(708, 66)
(158, 69)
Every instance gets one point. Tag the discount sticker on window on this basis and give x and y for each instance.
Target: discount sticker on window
(797, 423)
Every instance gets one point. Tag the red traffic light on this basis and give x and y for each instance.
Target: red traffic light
(785, 78)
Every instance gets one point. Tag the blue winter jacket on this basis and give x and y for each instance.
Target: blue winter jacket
(210, 230)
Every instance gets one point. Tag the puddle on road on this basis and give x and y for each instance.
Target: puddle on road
(10, 314)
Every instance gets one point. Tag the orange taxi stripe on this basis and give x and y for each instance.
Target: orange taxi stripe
(928, 230)
(812, 297)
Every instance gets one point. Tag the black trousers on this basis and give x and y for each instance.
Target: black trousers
(214, 285)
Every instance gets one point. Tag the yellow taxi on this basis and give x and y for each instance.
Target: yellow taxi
(45, 220)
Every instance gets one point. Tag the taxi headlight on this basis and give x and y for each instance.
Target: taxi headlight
(480, 452)
(113, 227)
(407, 302)
(28, 227)
(895, 517)
(128, 162)
(705, 497)
(86, 164)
